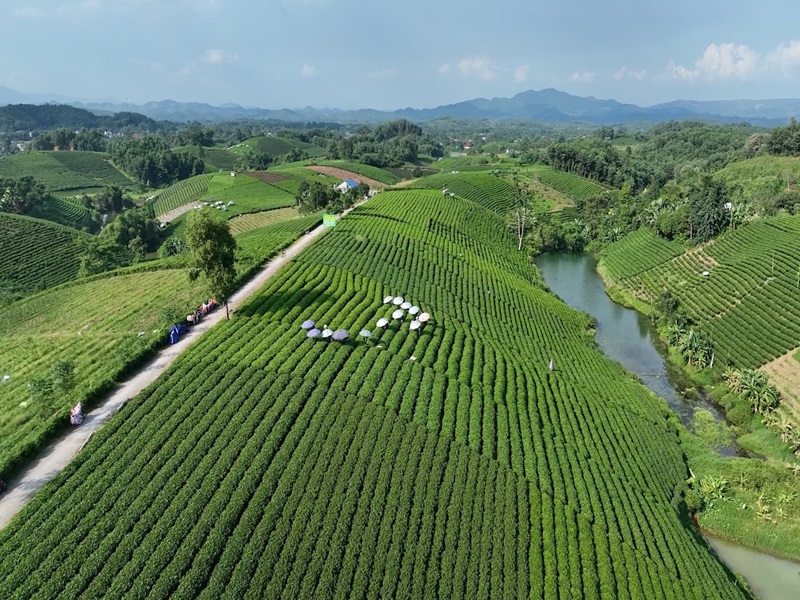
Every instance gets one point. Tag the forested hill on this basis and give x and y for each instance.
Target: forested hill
(23, 117)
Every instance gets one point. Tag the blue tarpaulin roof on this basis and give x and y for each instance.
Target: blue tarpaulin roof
(351, 183)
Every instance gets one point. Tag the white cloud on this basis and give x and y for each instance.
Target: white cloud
(785, 57)
(217, 56)
(478, 66)
(29, 12)
(736, 61)
(584, 77)
(444, 69)
(308, 72)
(157, 67)
(384, 74)
(521, 73)
(727, 60)
(624, 72)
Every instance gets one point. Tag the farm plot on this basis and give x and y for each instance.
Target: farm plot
(244, 223)
(342, 175)
(483, 188)
(97, 325)
(65, 172)
(244, 193)
(68, 211)
(181, 193)
(447, 462)
(369, 171)
(749, 301)
(35, 255)
(572, 186)
(275, 146)
(216, 159)
(637, 252)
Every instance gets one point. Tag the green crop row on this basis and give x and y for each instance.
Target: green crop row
(483, 188)
(375, 173)
(181, 193)
(568, 184)
(446, 462)
(35, 255)
(637, 252)
(749, 300)
(65, 172)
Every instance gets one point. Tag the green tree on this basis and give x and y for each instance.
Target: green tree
(133, 224)
(314, 196)
(707, 213)
(110, 199)
(63, 376)
(521, 215)
(99, 255)
(213, 251)
(21, 196)
(40, 390)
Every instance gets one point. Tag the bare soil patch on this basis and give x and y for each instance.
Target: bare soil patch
(784, 374)
(342, 174)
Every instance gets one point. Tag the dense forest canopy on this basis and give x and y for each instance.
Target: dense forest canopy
(31, 117)
(151, 161)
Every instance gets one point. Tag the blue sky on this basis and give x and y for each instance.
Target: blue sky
(386, 55)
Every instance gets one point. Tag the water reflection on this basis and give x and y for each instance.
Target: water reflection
(623, 334)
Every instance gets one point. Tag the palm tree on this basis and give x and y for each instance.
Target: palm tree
(733, 378)
(674, 333)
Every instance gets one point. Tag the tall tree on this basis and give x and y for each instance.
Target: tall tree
(521, 215)
(707, 212)
(213, 251)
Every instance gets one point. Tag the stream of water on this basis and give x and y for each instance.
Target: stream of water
(627, 337)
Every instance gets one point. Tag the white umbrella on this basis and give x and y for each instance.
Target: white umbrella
(414, 310)
(382, 323)
(326, 333)
(415, 324)
(313, 333)
(405, 305)
(398, 314)
(424, 317)
(365, 333)
(388, 299)
(398, 301)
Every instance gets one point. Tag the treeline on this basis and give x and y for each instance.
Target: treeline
(388, 145)
(150, 161)
(667, 151)
(67, 139)
(654, 157)
(32, 117)
(21, 196)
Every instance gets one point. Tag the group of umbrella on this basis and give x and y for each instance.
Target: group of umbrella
(403, 306)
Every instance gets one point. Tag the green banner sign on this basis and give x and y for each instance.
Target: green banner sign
(329, 220)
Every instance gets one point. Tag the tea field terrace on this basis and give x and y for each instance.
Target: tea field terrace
(446, 463)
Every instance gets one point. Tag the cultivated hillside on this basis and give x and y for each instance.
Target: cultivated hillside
(35, 255)
(447, 463)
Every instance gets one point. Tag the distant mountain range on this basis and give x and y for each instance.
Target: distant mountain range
(547, 105)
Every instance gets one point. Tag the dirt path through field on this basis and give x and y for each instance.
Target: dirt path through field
(177, 212)
(58, 455)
